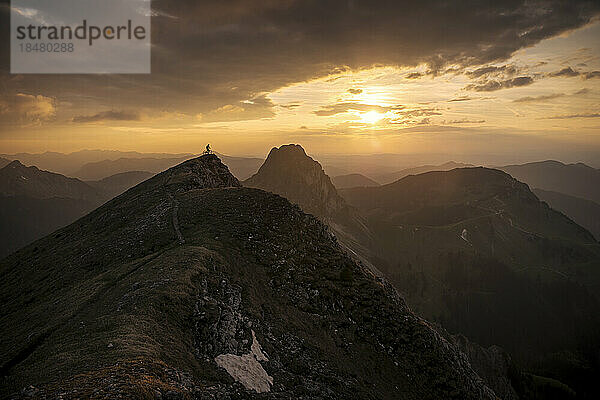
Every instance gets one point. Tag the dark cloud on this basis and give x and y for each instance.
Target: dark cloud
(355, 91)
(505, 70)
(414, 75)
(493, 85)
(567, 71)
(530, 99)
(290, 106)
(467, 98)
(591, 75)
(211, 54)
(570, 116)
(107, 116)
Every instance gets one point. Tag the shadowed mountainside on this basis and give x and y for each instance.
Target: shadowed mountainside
(476, 250)
(584, 212)
(34, 203)
(114, 185)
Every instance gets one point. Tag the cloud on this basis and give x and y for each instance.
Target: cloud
(570, 72)
(414, 75)
(340, 108)
(107, 116)
(591, 75)
(467, 98)
(210, 54)
(463, 121)
(493, 85)
(26, 109)
(290, 106)
(506, 70)
(530, 99)
(354, 91)
(256, 108)
(567, 71)
(570, 116)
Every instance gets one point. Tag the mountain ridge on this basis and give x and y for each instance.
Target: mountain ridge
(148, 314)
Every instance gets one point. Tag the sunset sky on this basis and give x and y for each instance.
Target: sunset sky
(337, 76)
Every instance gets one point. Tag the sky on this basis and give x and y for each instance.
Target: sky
(469, 78)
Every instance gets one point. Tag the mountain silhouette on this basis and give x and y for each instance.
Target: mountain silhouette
(386, 178)
(34, 203)
(190, 285)
(577, 180)
(352, 180)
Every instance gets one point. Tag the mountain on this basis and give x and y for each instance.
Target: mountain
(352, 180)
(189, 285)
(394, 176)
(116, 184)
(34, 203)
(19, 180)
(577, 180)
(66, 164)
(241, 167)
(584, 212)
(475, 250)
(289, 172)
(4, 162)
(99, 170)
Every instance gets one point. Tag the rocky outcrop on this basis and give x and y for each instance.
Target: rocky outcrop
(291, 173)
(205, 172)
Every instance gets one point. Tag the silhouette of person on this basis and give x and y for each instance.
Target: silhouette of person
(208, 151)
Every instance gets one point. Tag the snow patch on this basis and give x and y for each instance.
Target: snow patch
(246, 369)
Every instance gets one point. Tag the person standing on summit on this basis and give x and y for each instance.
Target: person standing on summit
(208, 150)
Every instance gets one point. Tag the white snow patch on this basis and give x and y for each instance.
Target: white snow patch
(246, 369)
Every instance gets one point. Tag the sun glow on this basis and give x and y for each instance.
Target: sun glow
(371, 117)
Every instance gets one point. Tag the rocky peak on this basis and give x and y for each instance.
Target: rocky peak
(15, 164)
(203, 172)
(290, 172)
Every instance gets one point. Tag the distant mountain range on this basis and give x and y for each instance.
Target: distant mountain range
(34, 203)
(67, 164)
(92, 165)
(352, 180)
(189, 285)
(394, 176)
(577, 180)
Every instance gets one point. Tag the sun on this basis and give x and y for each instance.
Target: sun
(371, 117)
